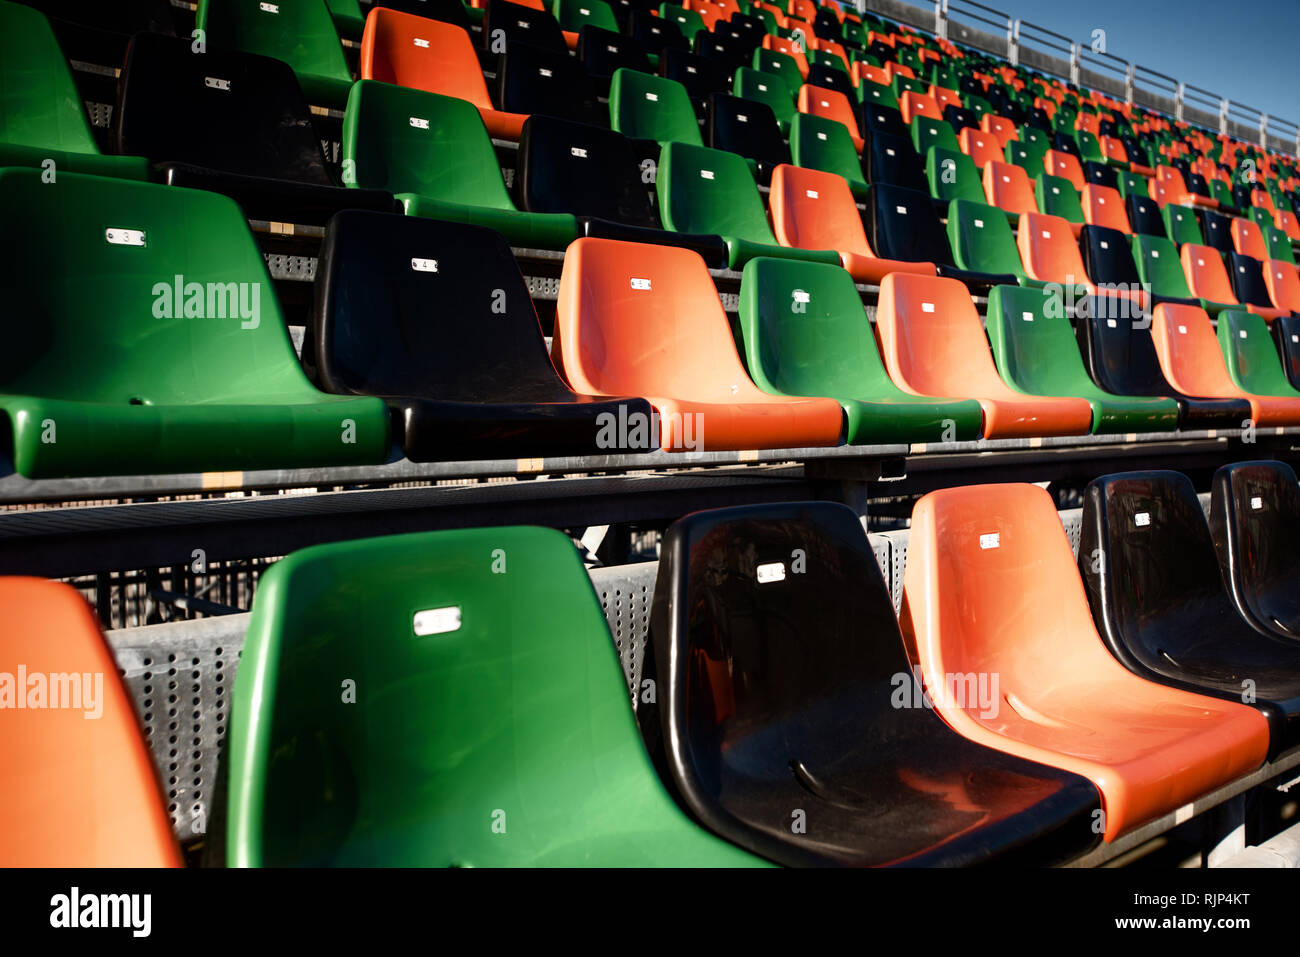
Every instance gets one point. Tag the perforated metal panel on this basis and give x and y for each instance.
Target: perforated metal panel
(626, 592)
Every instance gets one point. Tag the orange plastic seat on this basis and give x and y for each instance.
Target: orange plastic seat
(830, 105)
(1193, 363)
(831, 47)
(1065, 165)
(911, 105)
(1247, 239)
(789, 48)
(1103, 206)
(1286, 221)
(430, 55)
(1208, 279)
(1263, 199)
(1050, 254)
(872, 74)
(945, 97)
(1001, 127)
(1088, 122)
(1283, 282)
(933, 344)
(803, 9)
(80, 789)
(816, 210)
(980, 146)
(1007, 187)
(991, 589)
(893, 69)
(634, 319)
(1177, 191)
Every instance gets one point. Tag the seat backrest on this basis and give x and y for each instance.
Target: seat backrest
(518, 24)
(423, 54)
(653, 108)
(1248, 281)
(80, 786)
(745, 127)
(931, 337)
(981, 239)
(1206, 275)
(1189, 353)
(1158, 265)
(1250, 355)
(902, 224)
(952, 175)
(779, 64)
(1218, 230)
(892, 160)
(928, 133)
(1048, 251)
(1118, 350)
(830, 104)
(532, 79)
(805, 331)
(163, 292)
(710, 191)
(1064, 165)
(1108, 258)
(1028, 155)
(635, 319)
(603, 53)
(1181, 224)
(1247, 238)
(655, 34)
(256, 121)
(573, 15)
(408, 141)
(815, 210)
(585, 170)
(1144, 215)
(1007, 187)
(981, 147)
(1032, 342)
(39, 102)
(402, 305)
(700, 75)
(1057, 197)
(1103, 206)
(444, 734)
(767, 89)
(299, 32)
(817, 143)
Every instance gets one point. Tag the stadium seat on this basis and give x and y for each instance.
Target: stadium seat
(532, 79)
(748, 658)
(933, 344)
(769, 90)
(1007, 187)
(1250, 288)
(593, 174)
(445, 759)
(1218, 230)
(152, 345)
(1208, 280)
(1250, 355)
(875, 119)
(1181, 224)
(999, 126)
(410, 329)
(687, 21)
(434, 154)
(892, 161)
(1161, 607)
(1193, 363)
(712, 192)
(1036, 353)
(299, 32)
(982, 242)
(1108, 260)
(1065, 701)
(1247, 238)
(1027, 155)
(1065, 166)
(573, 15)
(815, 211)
(787, 48)
(952, 175)
(432, 56)
(830, 105)
(646, 320)
(981, 147)
(1158, 267)
(1283, 284)
(749, 129)
(827, 77)
(1144, 215)
(779, 64)
(821, 144)
(927, 134)
(652, 108)
(701, 76)
(1254, 520)
(41, 117)
(603, 53)
(1278, 245)
(1103, 206)
(512, 24)
(655, 34)
(255, 143)
(1056, 197)
(81, 789)
(1048, 250)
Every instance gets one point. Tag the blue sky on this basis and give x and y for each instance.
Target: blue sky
(1248, 52)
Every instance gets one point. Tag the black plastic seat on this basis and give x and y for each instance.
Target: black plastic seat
(959, 118)
(1120, 356)
(98, 31)
(435, 319)
(827, 26)
(448, 11)
(873, 119)
(533, 80)
(1217, 229)
(516, 23)
(601, 52)
(1100, 174)
(701, 76)
(1255, 524)
(1286, 332)
(1248, 284)
(1064, 143)
(1158, 598)
(893, 160)
(781, 669)
(625, 11)
(727, 51)
(593, 174)
(829, 78)
(748, 128)
(902, 224)
(655, 34)
(1107, 259)
(1144, 216)
(1038, 119)
(233, 123)
(750, 29)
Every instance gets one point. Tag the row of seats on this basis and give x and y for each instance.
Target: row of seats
(1076, 699)
(402, 303)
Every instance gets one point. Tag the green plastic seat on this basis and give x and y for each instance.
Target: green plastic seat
(1131, 184)
(713, 192)
(1158, 266)
(1251, 355)
(778, 64)
(443, 699)
(805, 333)
(951, 174)
(41, 116)
(348, 20)
(433, 153)
(927, 132)
(768, 89)
(688, 21)
(652, 108)
(977, 105)
(1056, 197)
(1033, 135)
(982, 241)
(877, 94)
(906, 84)
(1089, 148)
(1181, 224)
(1028, 156)
(299, 32)
(1036, 353)
(823, 144)
(1259, 216)
(1279, 243)
(573, 15)
(829, 60)
(1222, 193)
(151, 340)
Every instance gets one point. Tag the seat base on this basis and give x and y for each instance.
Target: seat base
(528, 230)
(277, 200)
(711, 248)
